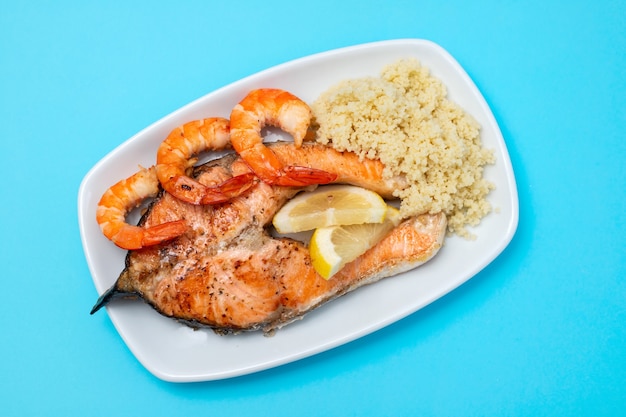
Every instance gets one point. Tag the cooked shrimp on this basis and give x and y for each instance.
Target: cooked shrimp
(174, 158)
(122, 197)
(277, 108)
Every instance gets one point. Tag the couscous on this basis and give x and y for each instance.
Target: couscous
(404, 119)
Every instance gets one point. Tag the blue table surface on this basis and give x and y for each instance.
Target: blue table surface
(541, 331)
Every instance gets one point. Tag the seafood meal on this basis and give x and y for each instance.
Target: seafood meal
(205, 252)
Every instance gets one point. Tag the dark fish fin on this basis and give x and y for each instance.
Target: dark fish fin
(110, 294)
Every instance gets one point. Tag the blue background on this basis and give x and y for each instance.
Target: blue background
(541, 331)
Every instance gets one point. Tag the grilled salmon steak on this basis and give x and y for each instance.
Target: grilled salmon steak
(228, 272)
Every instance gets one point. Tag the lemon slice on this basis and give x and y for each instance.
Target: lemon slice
(330, 205)
(333, 247)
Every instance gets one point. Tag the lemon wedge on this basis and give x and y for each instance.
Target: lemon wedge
(333, 247)
(330, 205)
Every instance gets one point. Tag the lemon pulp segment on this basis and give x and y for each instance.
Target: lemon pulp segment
(331, 205)
(333, 247)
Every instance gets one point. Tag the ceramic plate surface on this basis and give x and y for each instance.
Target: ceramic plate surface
(174, 352)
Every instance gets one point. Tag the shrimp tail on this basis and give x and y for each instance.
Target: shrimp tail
(134, 237)
(229, 189)
(162, 232)
(307, 176)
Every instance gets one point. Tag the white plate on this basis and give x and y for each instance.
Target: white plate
(173, 352)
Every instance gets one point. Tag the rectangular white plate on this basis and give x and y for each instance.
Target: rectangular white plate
(173, 352)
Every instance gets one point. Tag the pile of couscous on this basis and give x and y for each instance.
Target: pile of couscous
(404, 119)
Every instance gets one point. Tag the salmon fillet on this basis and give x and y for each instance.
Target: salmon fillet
(229, 273)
